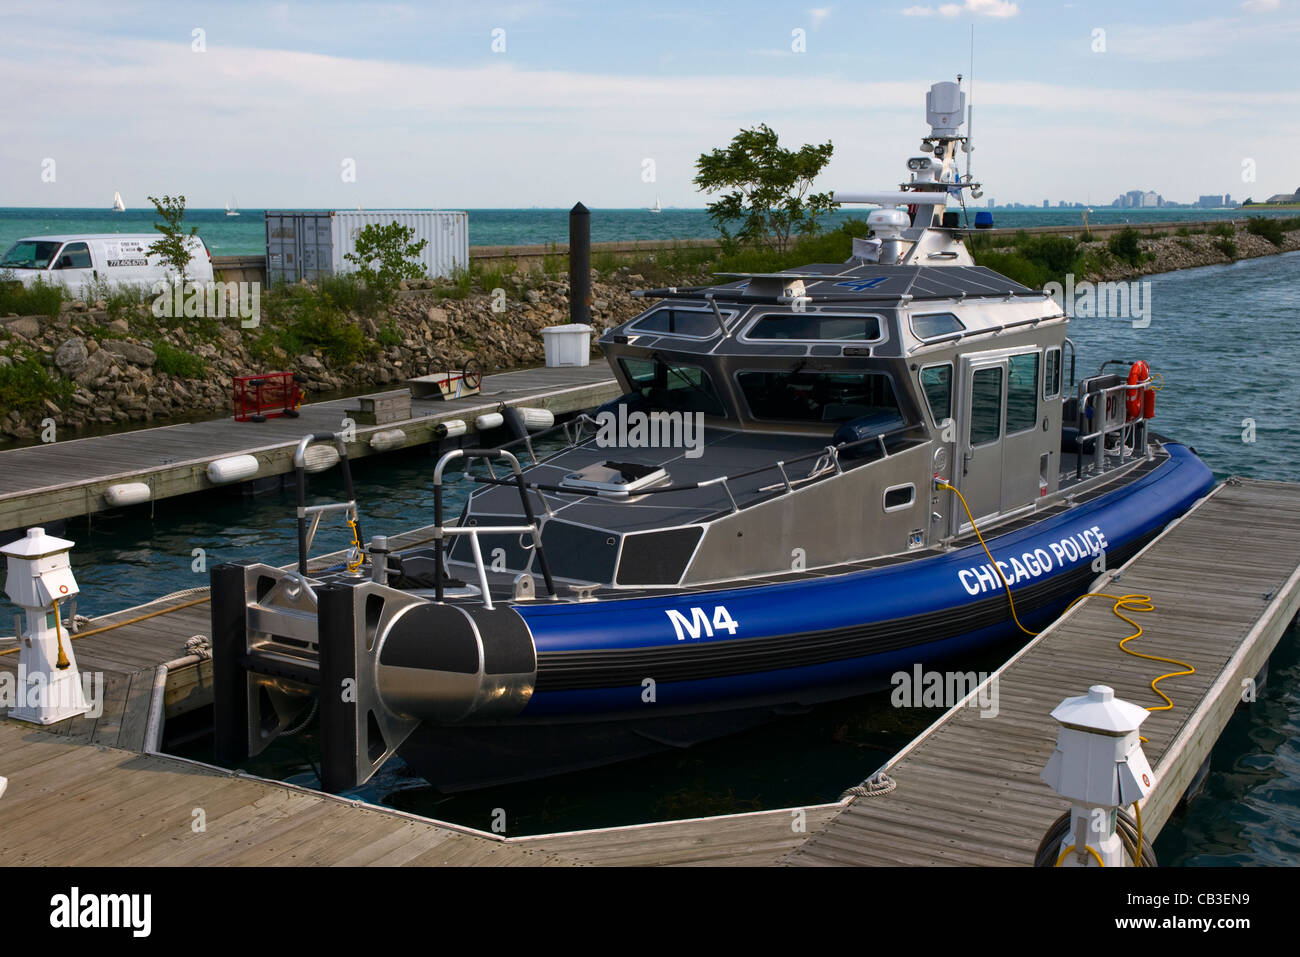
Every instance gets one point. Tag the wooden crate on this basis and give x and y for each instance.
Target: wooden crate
(383, 408)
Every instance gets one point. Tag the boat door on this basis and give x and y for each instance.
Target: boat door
(978, 468)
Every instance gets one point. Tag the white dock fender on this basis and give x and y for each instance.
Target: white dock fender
(538, 418)
(234, 468)
(127, 493)
(388, 439)
(489, 420)
(318, 458)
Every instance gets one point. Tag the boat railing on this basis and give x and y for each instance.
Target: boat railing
(1131, 432)
(827, 459)
(442, 530)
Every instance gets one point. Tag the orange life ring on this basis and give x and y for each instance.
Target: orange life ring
(1137, 373)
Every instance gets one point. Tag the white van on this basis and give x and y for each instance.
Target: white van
(115, 258)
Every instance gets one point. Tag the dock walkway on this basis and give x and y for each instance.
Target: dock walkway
(40, 483)
(1225, 581)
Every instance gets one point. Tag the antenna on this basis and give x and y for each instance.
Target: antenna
(970, 102)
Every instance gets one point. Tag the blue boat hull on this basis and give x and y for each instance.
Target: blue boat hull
(809, 640)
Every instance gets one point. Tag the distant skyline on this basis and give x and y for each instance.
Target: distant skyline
(395, 105)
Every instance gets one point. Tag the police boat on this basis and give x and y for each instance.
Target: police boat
(815, 478)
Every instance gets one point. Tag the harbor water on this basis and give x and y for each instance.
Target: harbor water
(1216, 335)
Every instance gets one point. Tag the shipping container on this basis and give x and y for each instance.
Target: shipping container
(309, 244)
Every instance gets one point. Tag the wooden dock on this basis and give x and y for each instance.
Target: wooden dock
(1225, 581)
(41, 483)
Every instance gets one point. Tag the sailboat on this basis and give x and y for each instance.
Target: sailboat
(656, 208)
(232, 207)
(118, 205)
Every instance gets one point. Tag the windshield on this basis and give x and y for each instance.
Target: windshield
(805, 396)
(673, 387)
(30, 254)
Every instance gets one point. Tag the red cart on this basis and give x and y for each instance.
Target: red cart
(261, 397)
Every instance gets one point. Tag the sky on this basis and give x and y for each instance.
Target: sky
(517, 104)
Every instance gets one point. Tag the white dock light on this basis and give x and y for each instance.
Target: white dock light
(39, 578)
(1099, 766)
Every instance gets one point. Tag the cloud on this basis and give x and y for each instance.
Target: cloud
(999, 9)
(1261, 6)
(819, 15)
(273, 126)
(1199, 39)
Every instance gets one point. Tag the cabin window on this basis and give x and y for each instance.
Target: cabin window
(676, 321)
(30, 254)
(673, 387)
(1022, 392)
(1052, 373)
(807, 327)
(936, 325)
(936, 381)
(986, 406)
(74, 256)
(803, 396)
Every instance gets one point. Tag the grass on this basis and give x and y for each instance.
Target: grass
(26, 383)
(459, 286)
(389, 334)
(299, 319)
(178, 362)
(1224, 230)
(39, 299)
(1226, 246)
(555, 264)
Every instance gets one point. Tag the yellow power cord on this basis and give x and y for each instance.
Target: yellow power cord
(1130, 603)
(62, 662)
(1087, 847)
(356, 542)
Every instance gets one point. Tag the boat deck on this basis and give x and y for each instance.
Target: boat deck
(1225, 580)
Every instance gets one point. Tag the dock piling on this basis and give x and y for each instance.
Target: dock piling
(580, 264)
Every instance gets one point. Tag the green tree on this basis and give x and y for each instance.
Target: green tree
(767, 189)
(173, 248)
(385, 256)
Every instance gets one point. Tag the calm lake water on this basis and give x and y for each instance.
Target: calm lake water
(1221, 337)
(245, 235)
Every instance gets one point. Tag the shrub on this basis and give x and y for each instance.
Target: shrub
(1267, 227)
(1056, 254)
(1015, 267)
(1223, 229)
(1125, 247)
(389, 334)
(1226, 246)
(385, 256)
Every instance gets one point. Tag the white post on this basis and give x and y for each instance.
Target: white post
(39, 580)
(1099, 766)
